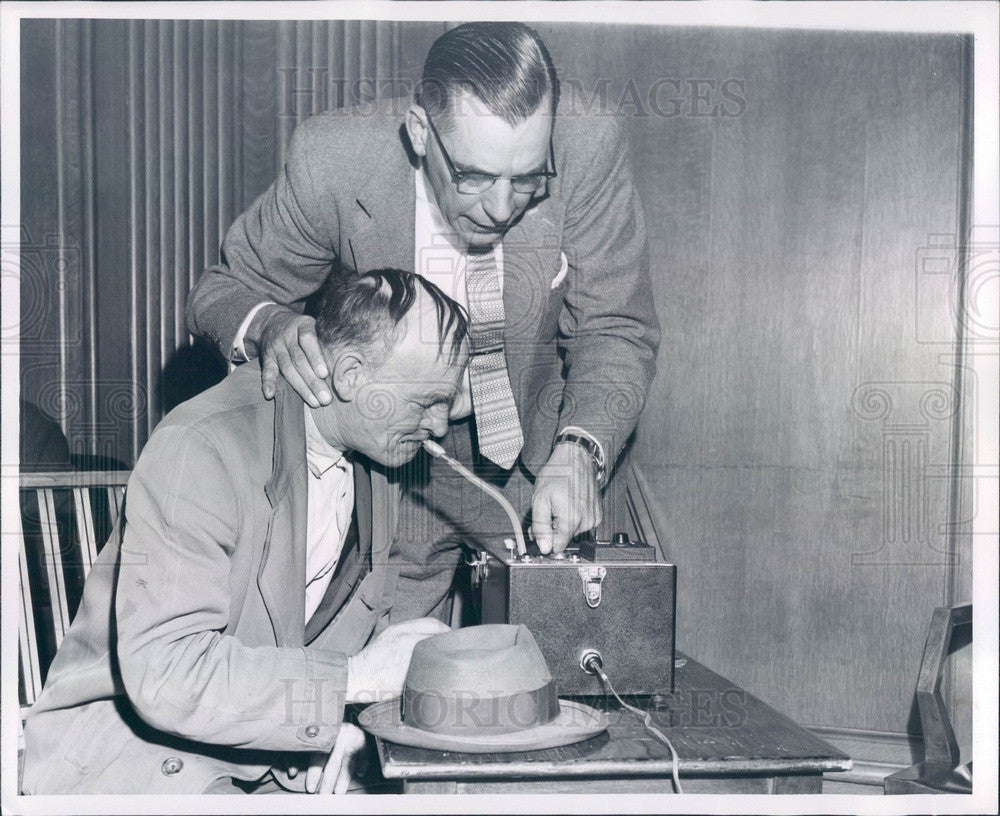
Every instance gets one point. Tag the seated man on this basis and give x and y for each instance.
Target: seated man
(221, 630)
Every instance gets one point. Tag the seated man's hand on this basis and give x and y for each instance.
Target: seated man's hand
(566, 501)
(332, 774)
(378, 670)
(288, 345)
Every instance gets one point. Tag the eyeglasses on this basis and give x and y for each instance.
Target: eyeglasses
(472, 182)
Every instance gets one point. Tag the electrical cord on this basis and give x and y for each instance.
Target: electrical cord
(593, 664)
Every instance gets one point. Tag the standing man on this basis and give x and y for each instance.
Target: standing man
(522, 210)
(223, 628)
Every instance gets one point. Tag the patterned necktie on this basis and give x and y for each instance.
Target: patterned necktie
(497, 423)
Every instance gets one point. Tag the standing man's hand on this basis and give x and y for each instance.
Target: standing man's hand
(288, 345)
(566, 501)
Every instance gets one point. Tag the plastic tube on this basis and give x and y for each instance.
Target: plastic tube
(435, 450)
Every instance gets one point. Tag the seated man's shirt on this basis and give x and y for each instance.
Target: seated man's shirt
(331, 504)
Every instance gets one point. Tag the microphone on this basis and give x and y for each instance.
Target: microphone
(435, 450)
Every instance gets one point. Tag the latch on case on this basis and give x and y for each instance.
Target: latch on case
(480, 567)
(592, 577)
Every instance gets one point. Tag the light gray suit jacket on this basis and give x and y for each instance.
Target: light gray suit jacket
(189, 659)
(579, 353)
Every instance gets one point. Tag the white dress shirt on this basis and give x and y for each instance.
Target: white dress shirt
(330, 505)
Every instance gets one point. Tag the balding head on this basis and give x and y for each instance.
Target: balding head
(396, 349)
(371, 312)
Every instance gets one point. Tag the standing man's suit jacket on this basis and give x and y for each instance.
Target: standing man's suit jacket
(576, 282)
(189, 659)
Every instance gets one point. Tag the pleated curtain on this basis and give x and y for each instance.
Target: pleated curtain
(160, 133)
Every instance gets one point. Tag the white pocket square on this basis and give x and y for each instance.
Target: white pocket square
(563, 270)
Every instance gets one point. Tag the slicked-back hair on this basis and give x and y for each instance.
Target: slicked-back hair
(504, 65)
(366, 310)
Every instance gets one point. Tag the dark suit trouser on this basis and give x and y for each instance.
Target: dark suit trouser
(440, 512)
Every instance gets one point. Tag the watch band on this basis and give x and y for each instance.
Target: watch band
(588, 445)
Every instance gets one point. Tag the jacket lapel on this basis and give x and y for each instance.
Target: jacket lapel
(385, 500)
(383, 225)
(530, 262)
(282, 574)
(363, 504)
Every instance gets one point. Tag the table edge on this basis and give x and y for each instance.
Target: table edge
(536, 770)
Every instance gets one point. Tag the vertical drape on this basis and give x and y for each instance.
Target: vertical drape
(72, 392)
(157, 134)
(332, 63)
(184, 96)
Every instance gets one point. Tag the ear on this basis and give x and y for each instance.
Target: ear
(417, 129)
(346, 376)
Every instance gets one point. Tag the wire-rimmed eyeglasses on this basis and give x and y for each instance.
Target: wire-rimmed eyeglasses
(473, 182)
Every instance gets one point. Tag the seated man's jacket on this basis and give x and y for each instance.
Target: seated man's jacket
(188, 659)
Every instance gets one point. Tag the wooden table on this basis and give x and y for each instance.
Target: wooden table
(728, 741)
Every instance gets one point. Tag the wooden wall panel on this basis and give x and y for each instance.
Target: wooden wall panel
(798, 438)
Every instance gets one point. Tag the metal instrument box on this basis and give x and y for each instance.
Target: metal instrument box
(612, 597)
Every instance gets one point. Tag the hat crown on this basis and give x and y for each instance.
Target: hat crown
(486, 679)
(490, 659)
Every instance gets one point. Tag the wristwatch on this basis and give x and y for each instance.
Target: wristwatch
(588, 445)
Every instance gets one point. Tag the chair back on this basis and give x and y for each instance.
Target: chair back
(65, 519)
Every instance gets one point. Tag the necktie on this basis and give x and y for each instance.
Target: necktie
(497, 423)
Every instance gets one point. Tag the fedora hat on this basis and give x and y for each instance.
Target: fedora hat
(481, 689)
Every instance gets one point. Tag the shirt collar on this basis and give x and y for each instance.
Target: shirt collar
(320, 454)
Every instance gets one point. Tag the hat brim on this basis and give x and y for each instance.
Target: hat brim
(576, 722)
